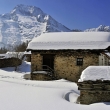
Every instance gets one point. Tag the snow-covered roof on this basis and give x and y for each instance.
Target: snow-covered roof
(95, 73)
(108, 54)
(27, 52)
(70, 40)
(2, 54)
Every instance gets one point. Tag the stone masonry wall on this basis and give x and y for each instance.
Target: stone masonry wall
(39, 76)
(36, 62)
(94, 96)
(94, 91)
(65, 66)
(10, 62)
(65, 63)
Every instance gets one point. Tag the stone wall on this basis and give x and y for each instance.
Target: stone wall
(39, 76)
(10, 62)
(94, 91)
(65, 62)
(36, 62)
(65, 66)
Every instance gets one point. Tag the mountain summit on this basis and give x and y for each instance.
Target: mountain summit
(24, 23)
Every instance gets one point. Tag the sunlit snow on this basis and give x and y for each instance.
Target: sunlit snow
(95, 73)
(71, 40)
(20, 94)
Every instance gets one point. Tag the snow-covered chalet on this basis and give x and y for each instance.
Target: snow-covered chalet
(66, 54)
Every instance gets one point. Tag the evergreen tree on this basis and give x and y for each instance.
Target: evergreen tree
(21, 48)
(3, 50)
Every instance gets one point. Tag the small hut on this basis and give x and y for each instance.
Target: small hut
(66, 54)
(94, 85)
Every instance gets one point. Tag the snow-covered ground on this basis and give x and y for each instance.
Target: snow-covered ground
(17, 93)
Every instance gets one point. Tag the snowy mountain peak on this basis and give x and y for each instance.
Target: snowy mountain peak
(100, 28)
(27, 10)
(24, 23)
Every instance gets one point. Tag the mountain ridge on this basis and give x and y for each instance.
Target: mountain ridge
(102, 28)
(24, 23)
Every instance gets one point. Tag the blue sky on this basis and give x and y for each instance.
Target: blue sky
(74, 14)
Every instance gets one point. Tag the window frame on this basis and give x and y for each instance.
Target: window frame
(79, 61)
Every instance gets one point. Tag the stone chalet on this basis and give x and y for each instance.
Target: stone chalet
(66, 54)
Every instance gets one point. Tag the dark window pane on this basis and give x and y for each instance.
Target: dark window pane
(79, 61)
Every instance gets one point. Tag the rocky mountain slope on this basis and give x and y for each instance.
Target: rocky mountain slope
(25, 22)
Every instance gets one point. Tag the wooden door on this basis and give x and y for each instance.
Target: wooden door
(48, 60)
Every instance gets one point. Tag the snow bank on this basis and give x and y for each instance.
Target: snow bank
(22, 71)
(20, 94)
(95, 73)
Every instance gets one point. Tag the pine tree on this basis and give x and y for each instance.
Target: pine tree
(3, 50)
(21, 48)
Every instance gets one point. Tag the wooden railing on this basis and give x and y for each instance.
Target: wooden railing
(50, 71)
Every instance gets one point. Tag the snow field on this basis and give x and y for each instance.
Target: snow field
(20, 94)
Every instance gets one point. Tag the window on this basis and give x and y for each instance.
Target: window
(79, 61)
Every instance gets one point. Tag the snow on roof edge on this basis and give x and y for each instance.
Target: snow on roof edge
(94, 73)
(70, 40)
